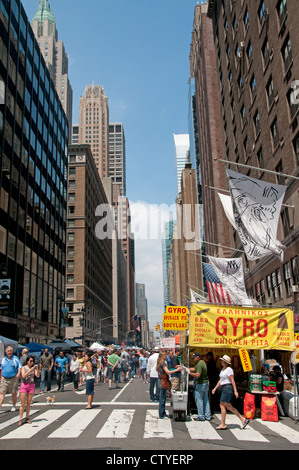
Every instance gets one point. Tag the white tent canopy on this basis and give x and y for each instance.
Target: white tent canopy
(97, 346)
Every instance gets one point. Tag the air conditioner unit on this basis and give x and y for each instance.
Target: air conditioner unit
(242, 44)
(239, 55)
(295, 288)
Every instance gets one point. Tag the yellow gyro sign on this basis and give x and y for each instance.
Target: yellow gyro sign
(245, 360)
(175, 318)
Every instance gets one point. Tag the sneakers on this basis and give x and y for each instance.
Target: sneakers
(13, 408)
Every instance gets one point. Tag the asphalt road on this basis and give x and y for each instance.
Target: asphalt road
(123, 423)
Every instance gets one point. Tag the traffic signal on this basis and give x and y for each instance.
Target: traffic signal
(157, 327)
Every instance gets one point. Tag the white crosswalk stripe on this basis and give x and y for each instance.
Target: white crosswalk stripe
(247, 434)
(155, 427)
(120, 424)
(40, 422)
(76, 424)
(202, 430)
(282, 430)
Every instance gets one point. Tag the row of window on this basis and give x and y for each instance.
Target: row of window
(271, 287)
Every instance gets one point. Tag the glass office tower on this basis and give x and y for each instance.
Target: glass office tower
(33, 177)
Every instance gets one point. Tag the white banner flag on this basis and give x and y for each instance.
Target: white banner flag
(256, 206)
(196, 298)
(226, 202)
(230, 274)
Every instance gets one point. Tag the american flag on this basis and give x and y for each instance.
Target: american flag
(217, 295)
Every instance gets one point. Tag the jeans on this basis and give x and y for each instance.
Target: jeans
(75, 379)
(45, 376)
(162, 402)
(201, 396)
(60, 377)
(154, 382)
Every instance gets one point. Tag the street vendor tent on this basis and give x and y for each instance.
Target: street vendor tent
(35, 347)
(60, 345)
(72, 343)
(97, 347)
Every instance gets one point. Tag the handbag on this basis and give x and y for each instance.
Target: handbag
(165, 382)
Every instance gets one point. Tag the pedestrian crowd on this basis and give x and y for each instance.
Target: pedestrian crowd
(162, 370)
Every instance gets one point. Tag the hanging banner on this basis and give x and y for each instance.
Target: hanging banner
(216, 326)
(175, 318)
(256, 208)
(245, 360)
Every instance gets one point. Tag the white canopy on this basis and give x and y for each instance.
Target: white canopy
(97, 346)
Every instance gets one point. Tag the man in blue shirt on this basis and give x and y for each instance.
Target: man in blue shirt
(10, 368)
(61, 364)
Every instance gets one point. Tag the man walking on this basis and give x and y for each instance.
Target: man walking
(201, 389)
(62, 365)
(10, 369)
(112, 363)
(46, 366)
(153, 374)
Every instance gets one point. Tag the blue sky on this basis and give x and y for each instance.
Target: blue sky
(139, 52)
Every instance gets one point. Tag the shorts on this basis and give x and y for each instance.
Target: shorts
(10, 385)
(112, 373)
(175, 383)
(90, 387)
(227, 394)
(27, 388)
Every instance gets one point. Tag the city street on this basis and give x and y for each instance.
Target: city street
(124, 419)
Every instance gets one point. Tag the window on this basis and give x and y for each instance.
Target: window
(270, 92)
(285, 218)
(293, 105)
(70, 293)
(287, 53)
(266, 52)
(246, 19)
(296, 148)
(282, 11)
(249, 51)
(287, 278)
(262, 13)
(295, 270)
(257, 125)
(275, 134)
(278, 281)
(260, 158)
(253, 87)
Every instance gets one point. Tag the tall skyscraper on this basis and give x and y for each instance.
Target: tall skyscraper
(166, 242)
(182, 147)
(256, 71)
(89, 258)
(94, 126)
(44, 28)
(33, 150)
(141, 301)
(117, 159)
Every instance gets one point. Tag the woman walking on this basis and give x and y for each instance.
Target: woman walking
(164, 373)
(90, 379)
(228, 390)
(28, 372)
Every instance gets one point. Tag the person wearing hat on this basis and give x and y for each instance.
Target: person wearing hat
(228, 390)
(201, 388)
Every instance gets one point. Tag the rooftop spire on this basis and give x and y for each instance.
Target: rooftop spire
(44, 12)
